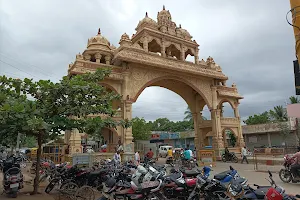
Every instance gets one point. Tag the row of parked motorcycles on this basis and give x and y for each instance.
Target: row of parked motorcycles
(151, 181)
(12, 175)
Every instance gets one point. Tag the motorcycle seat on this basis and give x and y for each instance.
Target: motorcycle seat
(260, 193)
(149, 185)
(98, 172)
(222, 175)
(192, 172)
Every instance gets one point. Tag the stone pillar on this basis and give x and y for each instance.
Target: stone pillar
(240, 138)
(145, 44)
(196, 128)
(75, 142)
(182, 54)
(196, 56)
(107, 60)
(163, 49)
(128, 144)
(98, 57)
(218, 143)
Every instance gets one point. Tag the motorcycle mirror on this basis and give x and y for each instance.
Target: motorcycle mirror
(231, 168)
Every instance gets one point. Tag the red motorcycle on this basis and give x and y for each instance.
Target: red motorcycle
(285, 174)
(277, 192)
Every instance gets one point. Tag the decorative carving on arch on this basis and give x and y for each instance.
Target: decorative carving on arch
(141, 78)
(150, 38)
(168, 43)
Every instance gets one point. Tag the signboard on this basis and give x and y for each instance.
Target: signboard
(207, 157)
(81, 159)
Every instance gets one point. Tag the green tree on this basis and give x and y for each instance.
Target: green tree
(262, 118)
(141, 130)
(279, 114)
(232, 139)
(188, 114)
(294, 99)
(56, 107)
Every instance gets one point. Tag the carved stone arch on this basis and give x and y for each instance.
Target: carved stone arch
(150, 38)
(189, 51)
(109, 86)
(230, 101)
(154, 45)
(140, 79)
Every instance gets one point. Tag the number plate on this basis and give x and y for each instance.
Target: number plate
(14, 185)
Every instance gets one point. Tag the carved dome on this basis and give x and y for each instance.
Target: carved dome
(98, 40)
(147, 22)
(164, 17)
(183, 33)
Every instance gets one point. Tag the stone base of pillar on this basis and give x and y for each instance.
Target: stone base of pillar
(127, 156)
(218, 146)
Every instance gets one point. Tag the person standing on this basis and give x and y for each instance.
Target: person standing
(244, 155)
(195, 153)
(296, 165)
(117, 157)
(137, 158)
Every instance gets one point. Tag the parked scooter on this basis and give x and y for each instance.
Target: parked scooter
(285, 174)
(13, 177)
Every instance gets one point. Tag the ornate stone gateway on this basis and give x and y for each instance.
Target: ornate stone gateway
(156, 55)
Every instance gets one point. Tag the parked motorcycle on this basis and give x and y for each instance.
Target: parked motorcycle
(285, 174)
(230, 157)
(13, 177)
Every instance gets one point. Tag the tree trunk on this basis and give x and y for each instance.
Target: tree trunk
(38, 163)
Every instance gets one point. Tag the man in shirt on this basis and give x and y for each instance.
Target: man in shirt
(150, 154)
(187, 154)
(244, 155)
(296, 165)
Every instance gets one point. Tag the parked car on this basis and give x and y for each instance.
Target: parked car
(163, 151)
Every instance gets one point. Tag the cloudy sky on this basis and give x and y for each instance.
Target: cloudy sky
(250, 40)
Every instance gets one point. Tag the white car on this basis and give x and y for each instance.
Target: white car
(163, 151)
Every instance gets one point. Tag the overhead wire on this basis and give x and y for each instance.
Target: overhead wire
(30, 65)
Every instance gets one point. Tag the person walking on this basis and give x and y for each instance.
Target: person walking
(244, 155)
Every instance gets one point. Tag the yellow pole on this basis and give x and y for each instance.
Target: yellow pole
(295, 9)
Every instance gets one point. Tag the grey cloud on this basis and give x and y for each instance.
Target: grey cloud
(249, 39)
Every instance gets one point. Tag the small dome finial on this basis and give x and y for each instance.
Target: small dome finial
(146, 14)
(164, 8)
(99, 31)
(179, 25)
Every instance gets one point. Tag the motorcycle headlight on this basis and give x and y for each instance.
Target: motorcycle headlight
(284, 158)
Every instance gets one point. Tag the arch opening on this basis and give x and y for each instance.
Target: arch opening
(154, 47)
(229, 137)
(227, 109)
(173, 52)
(189, 56)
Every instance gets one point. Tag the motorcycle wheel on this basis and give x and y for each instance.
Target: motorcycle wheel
(14, 195)
(285, 176)
(235, 159)
(224, 158)
(51, 185)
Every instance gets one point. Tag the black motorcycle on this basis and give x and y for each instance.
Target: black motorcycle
(230, 157)
(13, 177)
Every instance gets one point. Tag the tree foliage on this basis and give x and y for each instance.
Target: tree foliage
(56, 107)
(141, 130)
